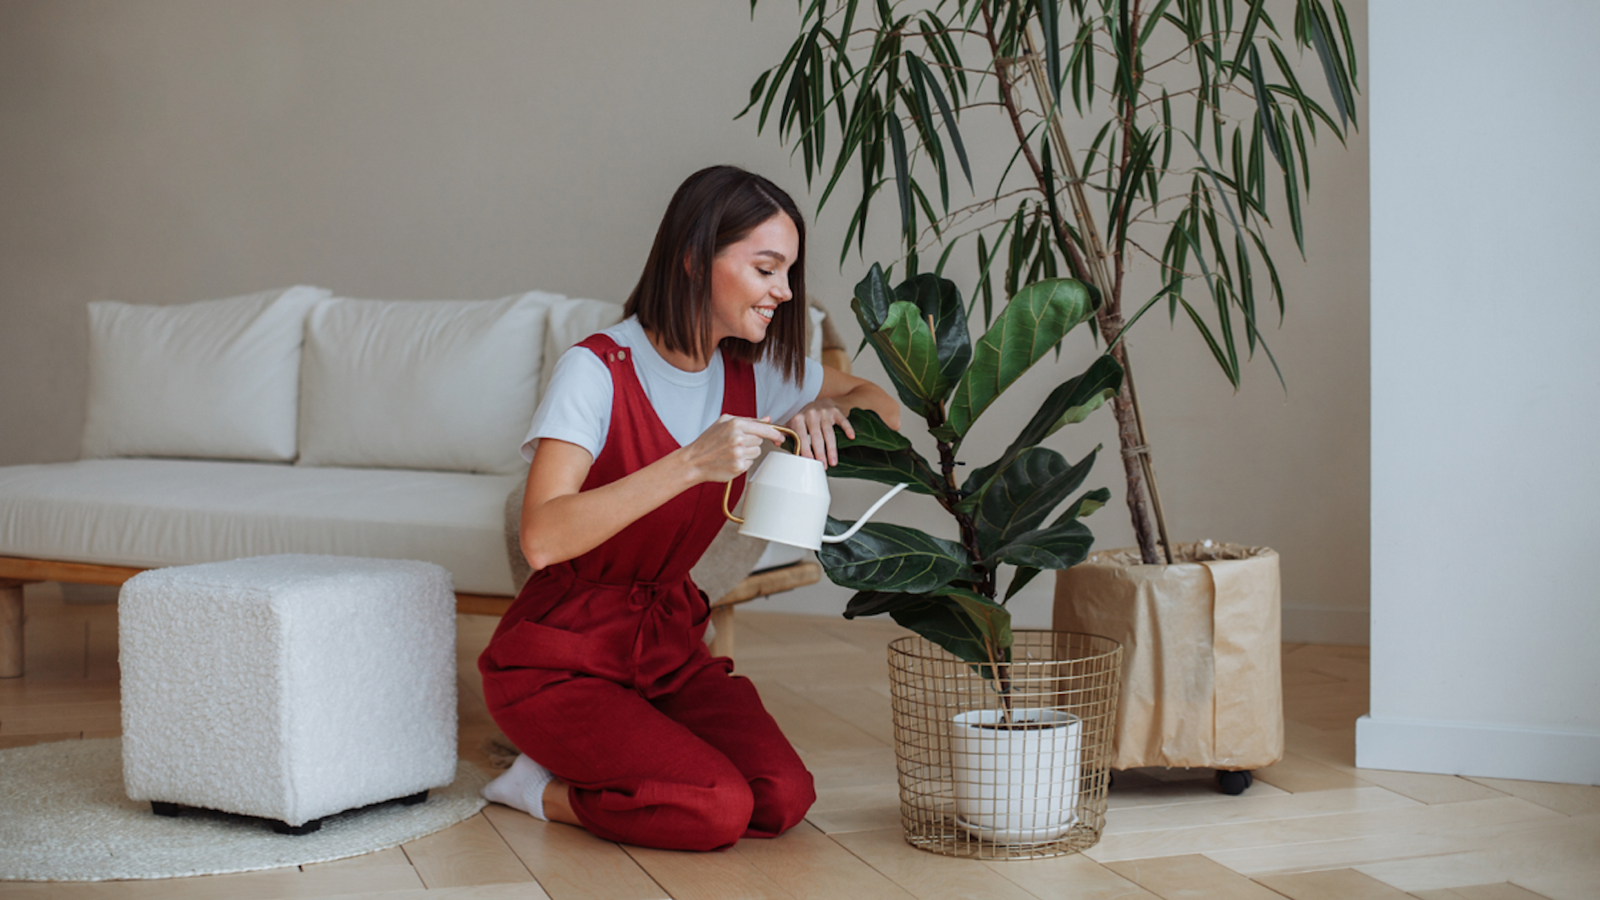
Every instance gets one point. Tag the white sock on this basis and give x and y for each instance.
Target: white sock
(521, 787)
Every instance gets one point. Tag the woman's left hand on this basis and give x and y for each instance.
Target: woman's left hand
(814, 424)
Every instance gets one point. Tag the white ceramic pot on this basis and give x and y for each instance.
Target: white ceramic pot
(1016, 785)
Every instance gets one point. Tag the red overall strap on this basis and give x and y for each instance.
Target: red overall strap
(664, 544)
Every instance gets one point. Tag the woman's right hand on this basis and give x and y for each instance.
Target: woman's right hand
(727, 449)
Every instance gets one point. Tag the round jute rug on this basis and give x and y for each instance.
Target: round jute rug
(64, 816)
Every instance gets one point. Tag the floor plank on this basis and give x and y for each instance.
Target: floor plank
(1436, 838)
(707, 876)
(928, 876)
(1332, 884)
(467, 854)
(1190, 878)
(1072, 877)
(570, 863)
(1377, 827)
(1502, 891)
(1554, 857)
(812, 866)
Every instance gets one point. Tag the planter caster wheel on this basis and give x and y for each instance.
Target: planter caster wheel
(1234, 783)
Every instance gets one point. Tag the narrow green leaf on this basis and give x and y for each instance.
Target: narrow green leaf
(950, 126)
(1264, 104)
(1329, 68)
(902, 176)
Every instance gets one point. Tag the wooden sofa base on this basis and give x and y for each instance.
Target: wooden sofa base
(16, 572)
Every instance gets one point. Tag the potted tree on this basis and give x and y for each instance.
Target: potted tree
(1193, 127)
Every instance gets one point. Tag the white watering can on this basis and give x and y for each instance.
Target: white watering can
(786, 500)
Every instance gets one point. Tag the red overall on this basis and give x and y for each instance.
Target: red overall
(599, 671)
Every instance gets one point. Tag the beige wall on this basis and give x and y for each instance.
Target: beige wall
(172, 151)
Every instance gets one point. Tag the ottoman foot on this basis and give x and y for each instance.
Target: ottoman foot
(414, 799)
(163, 808)
(307, 828)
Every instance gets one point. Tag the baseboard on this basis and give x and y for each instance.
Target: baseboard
(1326, 625)
(1484, 751)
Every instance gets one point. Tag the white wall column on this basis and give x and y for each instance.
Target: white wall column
(1485, 390)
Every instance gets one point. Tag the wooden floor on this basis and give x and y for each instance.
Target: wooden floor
(1312, 827)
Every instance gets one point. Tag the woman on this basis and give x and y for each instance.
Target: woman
(598, 672)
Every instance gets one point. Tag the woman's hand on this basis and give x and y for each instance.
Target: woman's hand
(727, 449)
(814, 423)
(840, 394)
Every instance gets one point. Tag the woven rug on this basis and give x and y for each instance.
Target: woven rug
(65, 817)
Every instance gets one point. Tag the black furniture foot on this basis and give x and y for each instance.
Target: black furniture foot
(307, 828)
(163, 808)
(414, 799)
(1235, 783)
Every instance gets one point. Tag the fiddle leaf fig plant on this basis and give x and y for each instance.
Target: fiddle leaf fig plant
(944, 589)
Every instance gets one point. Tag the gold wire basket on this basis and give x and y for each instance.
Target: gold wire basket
(982, 781)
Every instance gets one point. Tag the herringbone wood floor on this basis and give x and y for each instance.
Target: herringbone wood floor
(1312, 827)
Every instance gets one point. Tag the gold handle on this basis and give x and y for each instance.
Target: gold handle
(727, 491)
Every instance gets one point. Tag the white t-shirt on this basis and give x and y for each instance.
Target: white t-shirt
(576, 406)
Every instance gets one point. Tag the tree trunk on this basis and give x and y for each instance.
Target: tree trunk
(1138, 507)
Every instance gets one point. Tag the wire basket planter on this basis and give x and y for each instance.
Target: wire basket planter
(982, 782)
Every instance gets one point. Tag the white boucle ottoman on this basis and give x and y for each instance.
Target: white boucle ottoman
(288, 687)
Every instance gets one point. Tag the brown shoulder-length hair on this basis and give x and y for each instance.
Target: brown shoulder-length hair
(713, 208)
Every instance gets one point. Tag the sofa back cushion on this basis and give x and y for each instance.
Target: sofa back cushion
(421, 384)
(216, 380)
(572, 320)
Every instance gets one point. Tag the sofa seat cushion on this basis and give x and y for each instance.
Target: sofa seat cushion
(164, 512)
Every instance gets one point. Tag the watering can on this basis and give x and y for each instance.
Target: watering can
(786, 500)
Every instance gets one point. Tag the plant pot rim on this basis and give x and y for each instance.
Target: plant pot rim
(1192, 553)
(1027, 639)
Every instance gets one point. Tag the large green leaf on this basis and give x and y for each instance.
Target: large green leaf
(1061, 546)
(1073, 400)
(872, 297)
(887, 557)
(1022, 495)
(872, 432)
(1069, 403)
(941, 299)
(972, 627)
(1032, 322)
(910, 355)
(888, 467)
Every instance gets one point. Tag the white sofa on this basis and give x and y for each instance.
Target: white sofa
(294, 421)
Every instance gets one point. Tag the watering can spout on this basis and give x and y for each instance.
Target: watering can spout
(836, 538)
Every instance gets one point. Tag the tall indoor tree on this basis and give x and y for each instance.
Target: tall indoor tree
(1197, 130)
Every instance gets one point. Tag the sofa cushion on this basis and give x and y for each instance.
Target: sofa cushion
(165, 512)
(217, 379)
(414, 384)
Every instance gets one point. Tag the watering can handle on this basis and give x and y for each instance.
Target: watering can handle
(727, 492)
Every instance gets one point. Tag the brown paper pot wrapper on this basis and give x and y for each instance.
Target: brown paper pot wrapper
(1202, 684)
